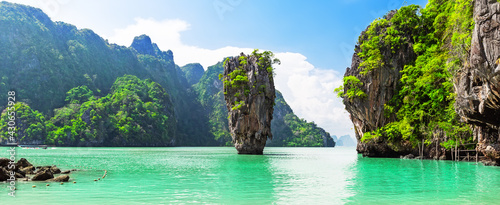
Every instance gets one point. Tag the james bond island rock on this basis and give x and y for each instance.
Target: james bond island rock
(249, 94)
(478, 84)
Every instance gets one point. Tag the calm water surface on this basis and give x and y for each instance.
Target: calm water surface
(216, 175)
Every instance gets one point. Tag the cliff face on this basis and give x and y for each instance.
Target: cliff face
(435, 91)
(249, 93)
(478, 83)
(380, 85)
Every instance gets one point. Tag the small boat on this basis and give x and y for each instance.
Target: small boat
(33, 146)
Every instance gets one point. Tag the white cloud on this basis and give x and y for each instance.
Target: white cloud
(307, 89)
(167, 34)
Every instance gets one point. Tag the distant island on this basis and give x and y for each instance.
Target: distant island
(344, 140)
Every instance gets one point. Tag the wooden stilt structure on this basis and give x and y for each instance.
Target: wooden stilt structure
(422, 155)
(437, 150)
(477, 155)
(453, 157)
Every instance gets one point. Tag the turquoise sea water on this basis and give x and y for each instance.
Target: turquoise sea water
(215, 175)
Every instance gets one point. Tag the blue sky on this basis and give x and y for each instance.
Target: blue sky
(314, 39)
(321, 30)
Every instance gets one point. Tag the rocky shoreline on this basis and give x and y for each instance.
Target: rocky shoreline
(22, 170)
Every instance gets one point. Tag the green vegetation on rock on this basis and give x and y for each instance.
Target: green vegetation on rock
(424, 103)
(388, 33)
(30, 124)
(135, 113)
(79, 95)
(237, 80)
(352, 83)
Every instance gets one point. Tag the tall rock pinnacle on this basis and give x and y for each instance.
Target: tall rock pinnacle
(249, 93)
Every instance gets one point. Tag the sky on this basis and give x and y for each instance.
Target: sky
(313, 39)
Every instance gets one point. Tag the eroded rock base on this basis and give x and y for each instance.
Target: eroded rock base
(250, 146)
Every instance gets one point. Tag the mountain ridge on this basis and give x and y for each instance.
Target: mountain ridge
(47, 60)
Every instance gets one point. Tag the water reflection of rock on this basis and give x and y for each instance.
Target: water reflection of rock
(247, 179)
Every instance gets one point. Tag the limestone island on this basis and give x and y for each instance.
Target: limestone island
(249, 94)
